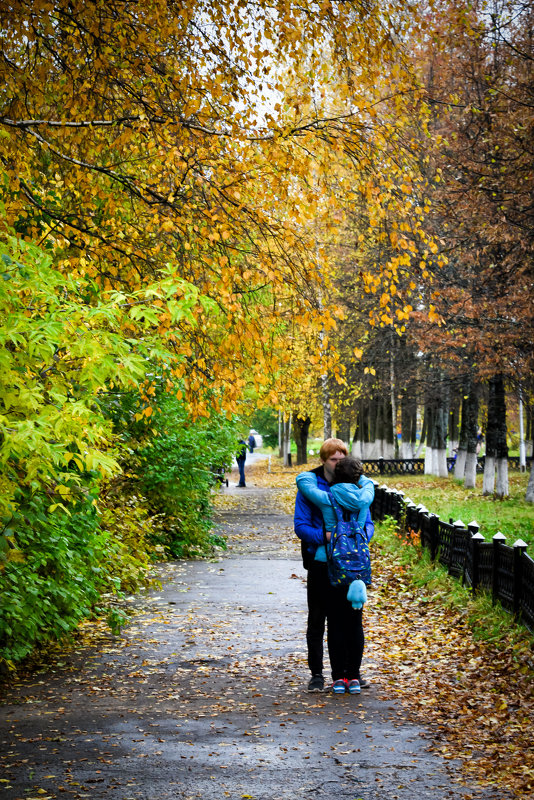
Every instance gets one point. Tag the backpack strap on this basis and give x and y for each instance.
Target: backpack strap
(351, 515)
(337, 508)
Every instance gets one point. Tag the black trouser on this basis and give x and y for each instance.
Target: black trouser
(345, 631)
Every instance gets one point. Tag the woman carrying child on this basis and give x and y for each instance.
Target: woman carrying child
(345, 637)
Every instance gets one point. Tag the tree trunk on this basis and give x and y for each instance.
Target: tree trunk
(437, 424)
(471, 430)
(408, 426)
(522, 447)
(357, 441)
(301, 427)
(424, 429)
(373, 451)
(441, 426)
(380, 433)
(388, 432)
(343, 431)
(286, 444)
(459, 466)
(366, 429)
(529, 497)
(454, 414)
(393, 402)
(529, 413)
(496, 445)
(429, 421)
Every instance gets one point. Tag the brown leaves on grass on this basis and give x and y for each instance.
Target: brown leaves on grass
(478, 697)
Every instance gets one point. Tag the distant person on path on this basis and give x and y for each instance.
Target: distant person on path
(325, 602)
(241, 457)
(251, 442)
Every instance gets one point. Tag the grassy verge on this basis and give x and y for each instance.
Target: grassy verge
(488, 622)
(449, 499)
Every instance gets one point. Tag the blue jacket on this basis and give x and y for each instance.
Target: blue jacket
(308, 520)
(356, 498)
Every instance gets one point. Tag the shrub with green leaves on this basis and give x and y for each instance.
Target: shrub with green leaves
(55, 568)
(176, 473)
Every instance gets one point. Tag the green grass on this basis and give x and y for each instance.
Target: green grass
(448, 498)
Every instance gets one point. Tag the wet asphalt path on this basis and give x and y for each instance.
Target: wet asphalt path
(203, 696)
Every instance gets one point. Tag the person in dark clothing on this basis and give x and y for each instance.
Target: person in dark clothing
(251, 442)
(325, 602)
(241, 457)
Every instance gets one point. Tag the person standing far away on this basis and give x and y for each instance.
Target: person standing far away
(251, 442)
(308, 525)
(241, 457)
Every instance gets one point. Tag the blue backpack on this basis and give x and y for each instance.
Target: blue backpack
(347, 552)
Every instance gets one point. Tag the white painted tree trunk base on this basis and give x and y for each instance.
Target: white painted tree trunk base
(459, 466)
(488, 484)
(375, 449)
(367, 450)
(429, 458)
(388, 450)
(470, 474)
(357, 450)
(502, 488)
(441, 463)
(407, 450)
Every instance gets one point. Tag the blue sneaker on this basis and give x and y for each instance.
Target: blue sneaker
(339, 686)
(354, 686)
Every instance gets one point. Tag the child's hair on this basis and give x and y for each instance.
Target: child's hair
(331, 446)
(348, 470)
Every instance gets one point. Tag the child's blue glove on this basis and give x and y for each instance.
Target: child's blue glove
(357, 594)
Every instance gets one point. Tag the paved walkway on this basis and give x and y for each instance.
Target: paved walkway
(203, 696)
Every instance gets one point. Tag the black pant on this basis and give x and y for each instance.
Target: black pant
(345, 631)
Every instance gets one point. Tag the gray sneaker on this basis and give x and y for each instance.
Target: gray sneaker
(316, 684)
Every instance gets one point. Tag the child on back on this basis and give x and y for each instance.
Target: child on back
(351, 490)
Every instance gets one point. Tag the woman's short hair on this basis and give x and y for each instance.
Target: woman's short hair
(331, 446)
(348, 470)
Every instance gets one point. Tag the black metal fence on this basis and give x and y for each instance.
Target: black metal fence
(507, 572)
(416, 466)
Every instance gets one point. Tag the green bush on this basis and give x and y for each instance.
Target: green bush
(49, 574)
(55, 568)
(176, 473)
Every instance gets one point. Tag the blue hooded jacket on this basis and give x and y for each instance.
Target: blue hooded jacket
(308, 521)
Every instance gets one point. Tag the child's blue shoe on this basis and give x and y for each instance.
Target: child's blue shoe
(357, 594)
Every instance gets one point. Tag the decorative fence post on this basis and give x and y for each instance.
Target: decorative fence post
(520, 548)
(434, 535)
(476, 541)
(458, 529)
(498, 540)
(473, 528)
